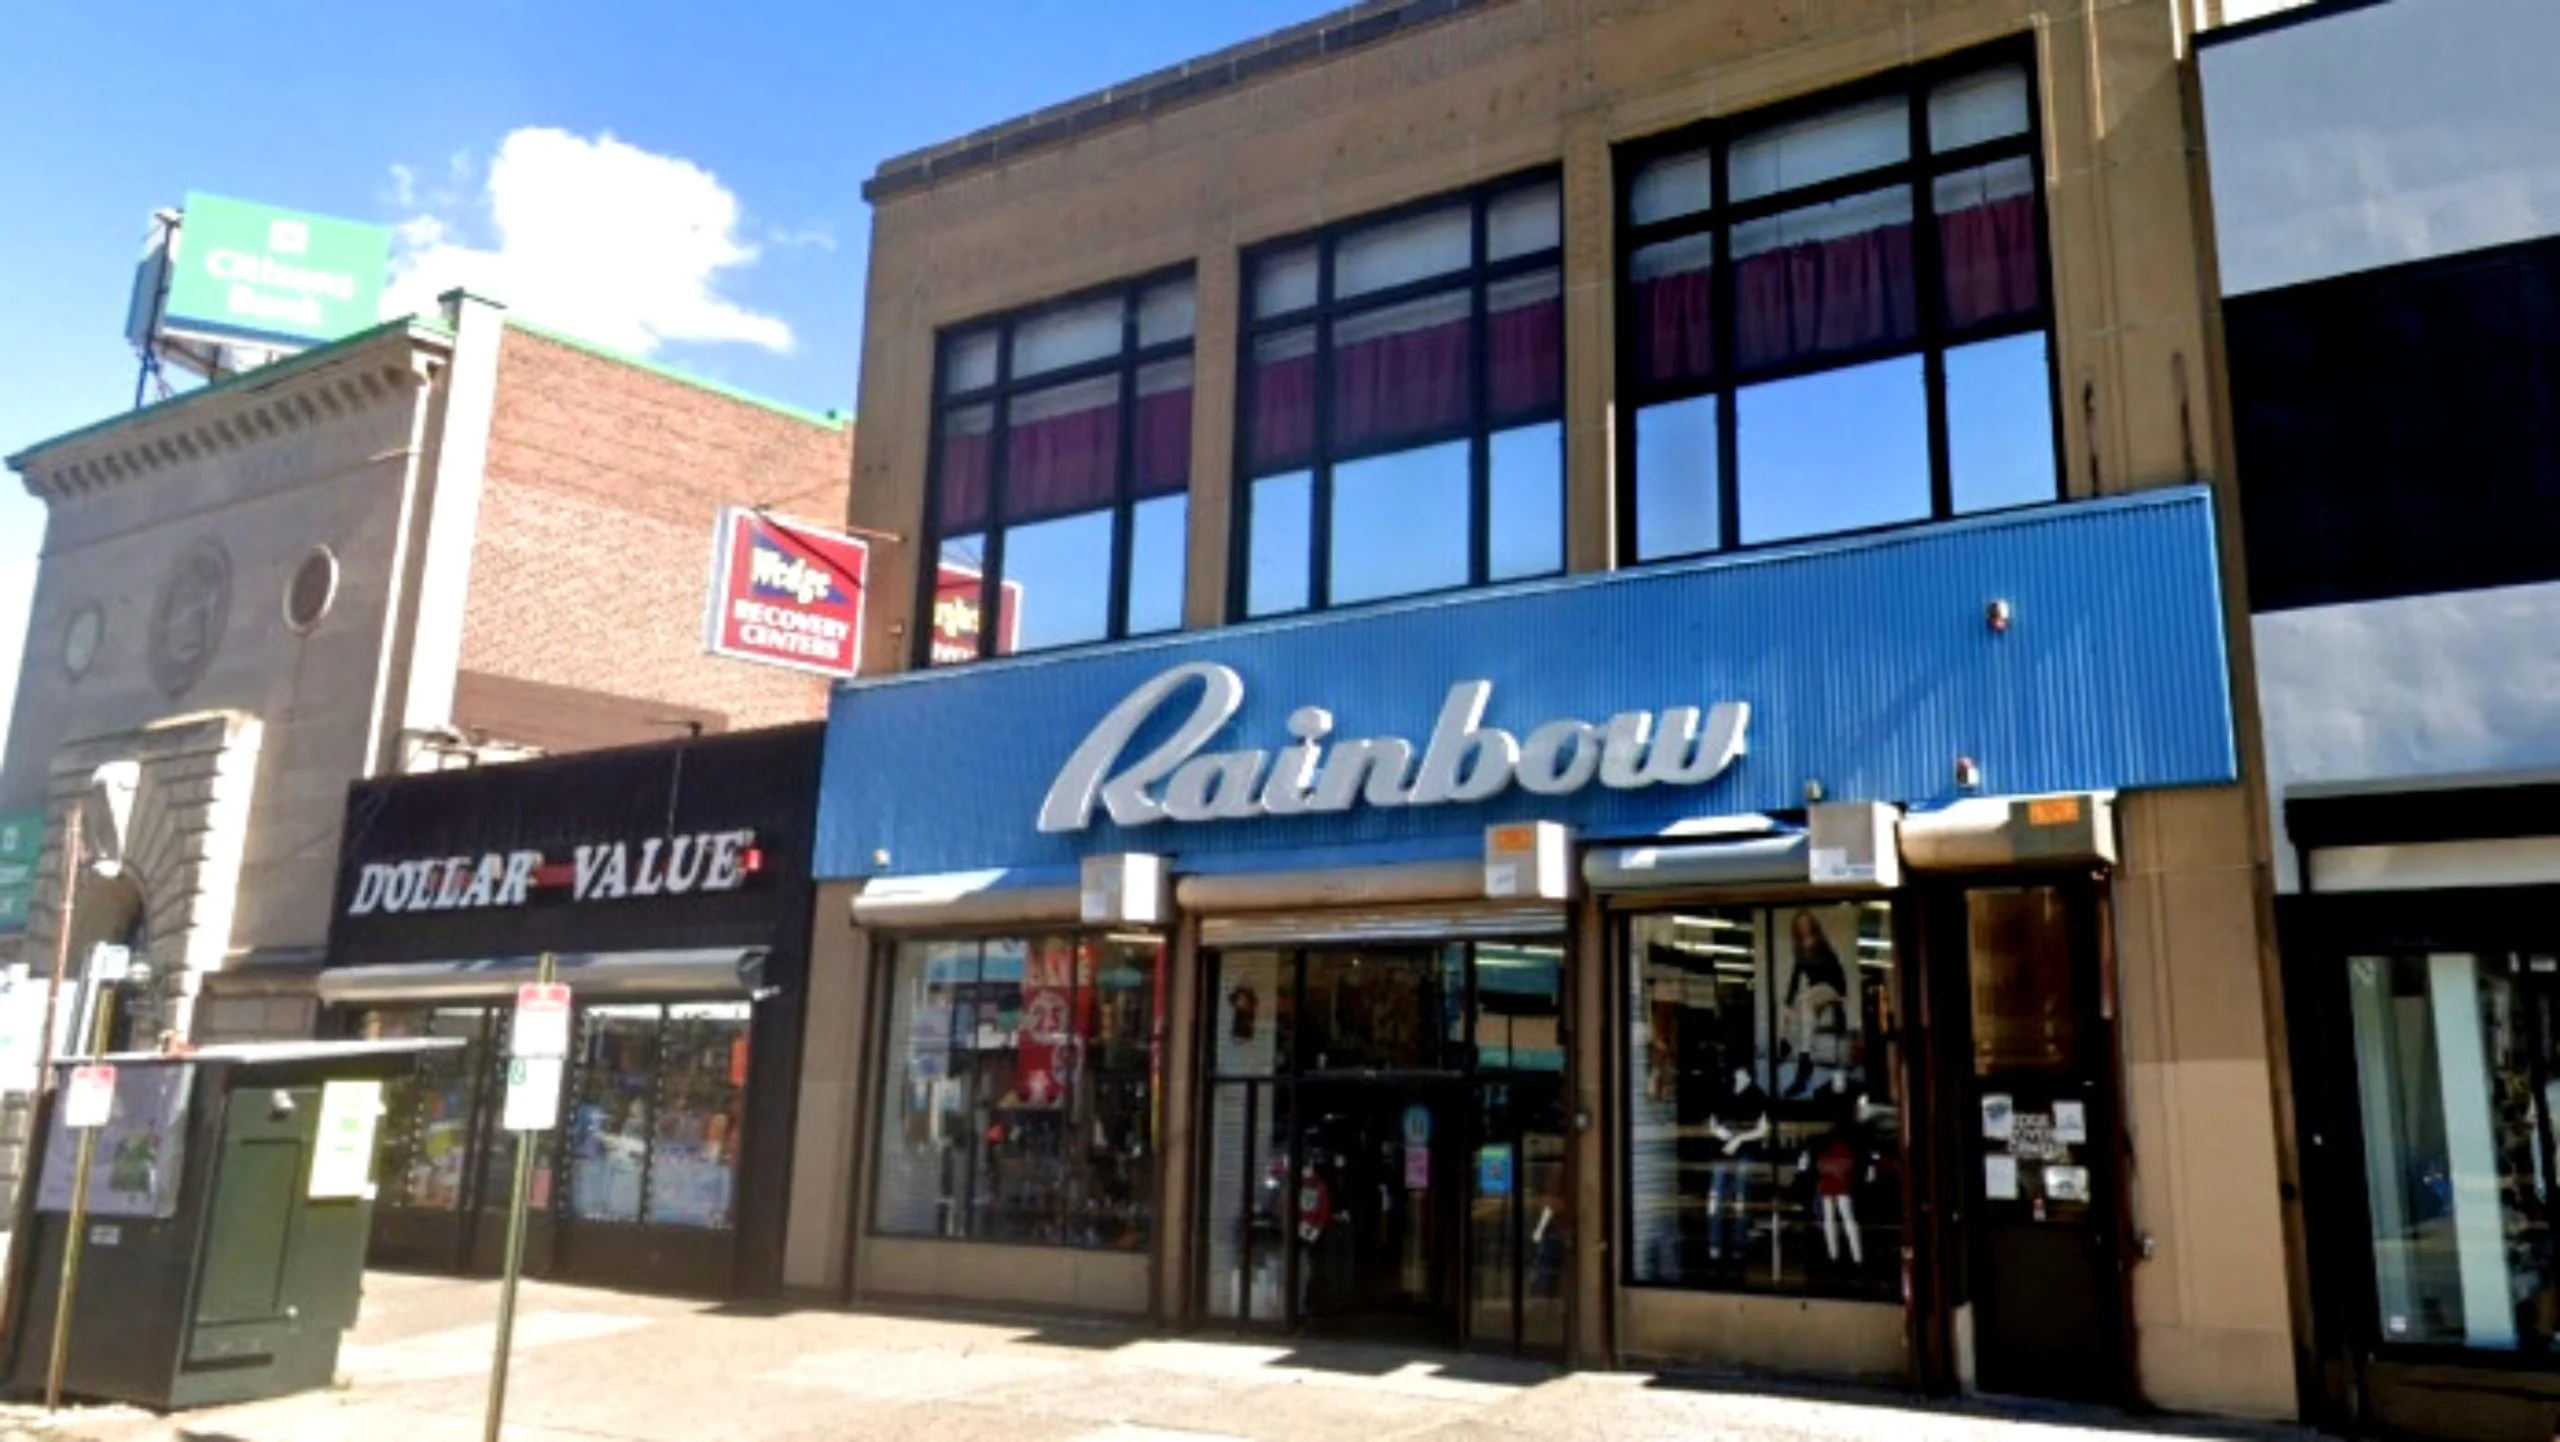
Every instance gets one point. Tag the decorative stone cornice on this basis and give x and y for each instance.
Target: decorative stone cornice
(318, 388)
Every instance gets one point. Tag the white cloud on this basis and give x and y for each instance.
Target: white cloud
(598, 238)
(816, 235)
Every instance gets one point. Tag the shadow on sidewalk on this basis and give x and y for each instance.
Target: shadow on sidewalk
(2083, 1416)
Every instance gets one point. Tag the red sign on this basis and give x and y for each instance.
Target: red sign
(786, 594)
(542, 1021)
(90, 1099)
(959, 614)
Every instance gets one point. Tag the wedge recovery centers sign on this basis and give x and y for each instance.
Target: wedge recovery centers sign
(786, 594)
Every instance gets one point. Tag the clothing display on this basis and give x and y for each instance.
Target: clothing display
(1743, 1129)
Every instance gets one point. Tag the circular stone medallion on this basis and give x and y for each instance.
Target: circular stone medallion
(186, 625)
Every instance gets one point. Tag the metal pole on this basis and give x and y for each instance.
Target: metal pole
(76, 1224)
(71, 845)
(21, 1233)
(517, 1194)
(159, 298)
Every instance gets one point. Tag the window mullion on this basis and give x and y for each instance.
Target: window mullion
(1724, 294)
(1479, 415)
(1115, 622)
(1928, 278)
(991, 563)
(1320, 474)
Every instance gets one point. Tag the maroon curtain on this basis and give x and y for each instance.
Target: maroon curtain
(1062, 463)
(1524, 353)
(1164, 442)
(1400, 384)
(1675, 319)
(1284, 413)
(1827, 295)
(962, 486)
(1991, 260)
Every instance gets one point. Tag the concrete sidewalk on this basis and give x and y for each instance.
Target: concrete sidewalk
(604, 1365)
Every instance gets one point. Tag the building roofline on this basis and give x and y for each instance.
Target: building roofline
(825, 420)
(1355, 27)
(414, 328)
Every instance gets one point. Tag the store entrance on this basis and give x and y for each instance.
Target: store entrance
(1385, 1142)
(2047, 1269)
(1376, 1214)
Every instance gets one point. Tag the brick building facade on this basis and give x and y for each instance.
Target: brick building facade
(591, 457)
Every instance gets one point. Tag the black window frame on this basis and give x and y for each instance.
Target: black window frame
(998, 397)
(1936, 338)
(1478, 277)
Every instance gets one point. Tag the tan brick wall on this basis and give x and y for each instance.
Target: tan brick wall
(595, 528)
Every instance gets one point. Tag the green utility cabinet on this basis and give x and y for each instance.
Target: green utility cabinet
(230, 1201)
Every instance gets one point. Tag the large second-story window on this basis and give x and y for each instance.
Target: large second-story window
(1061, 473)
(1401, 427)
(1837, 318)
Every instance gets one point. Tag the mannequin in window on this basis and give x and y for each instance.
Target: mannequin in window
(1729, 1176)
(1813, 1017)
(1840, 1162)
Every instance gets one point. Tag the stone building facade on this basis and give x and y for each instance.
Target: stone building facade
(446, 541)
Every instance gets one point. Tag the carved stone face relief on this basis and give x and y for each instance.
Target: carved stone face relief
(186, 625)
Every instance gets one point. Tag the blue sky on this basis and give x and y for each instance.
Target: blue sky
(481, 128)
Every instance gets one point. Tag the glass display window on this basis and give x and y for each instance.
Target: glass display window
(616, 1073)
(2454, 1060)
(429, 1109)
(1020, 1103)
(700, 1116)
(1763, 1114)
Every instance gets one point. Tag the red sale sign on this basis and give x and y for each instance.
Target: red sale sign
(786, 594)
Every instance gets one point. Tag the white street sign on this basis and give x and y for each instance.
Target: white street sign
(533, 1094)
(90, 1099)
(110, 963)
(542, 1022)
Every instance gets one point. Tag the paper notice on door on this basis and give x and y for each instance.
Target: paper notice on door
(2067, 1184)
(2000, 1178)
(1999, 1116)
(2070, 1123)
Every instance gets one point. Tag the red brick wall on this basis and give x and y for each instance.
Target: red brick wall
(595, 529)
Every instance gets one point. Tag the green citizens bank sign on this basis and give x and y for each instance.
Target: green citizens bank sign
(253, 272)
(21, 842)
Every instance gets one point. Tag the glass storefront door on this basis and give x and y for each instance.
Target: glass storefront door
(1519, 1220)
(1377, 1214)
(1386, 1142)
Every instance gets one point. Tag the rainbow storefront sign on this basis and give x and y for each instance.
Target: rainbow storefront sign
(2075, 647)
